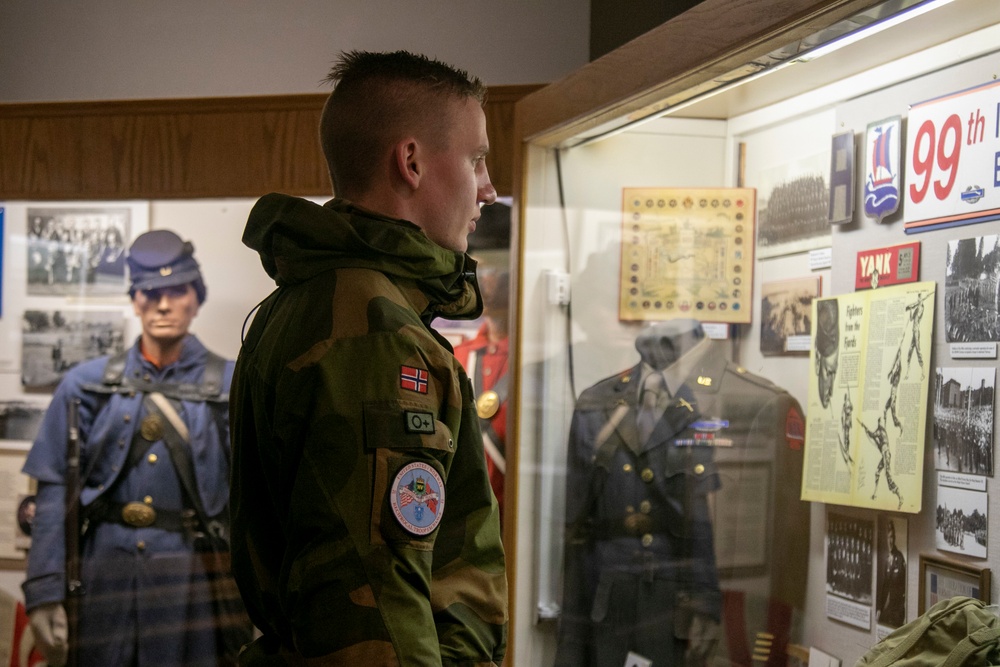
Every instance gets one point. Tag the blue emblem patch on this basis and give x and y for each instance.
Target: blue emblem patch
(713, 424)
(418, 498)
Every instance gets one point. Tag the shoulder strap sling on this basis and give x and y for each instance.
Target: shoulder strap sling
(177, 437)
(605, 450)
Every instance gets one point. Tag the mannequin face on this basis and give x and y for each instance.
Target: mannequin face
(165, 313)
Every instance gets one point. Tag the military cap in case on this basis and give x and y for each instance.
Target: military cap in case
(160, 258)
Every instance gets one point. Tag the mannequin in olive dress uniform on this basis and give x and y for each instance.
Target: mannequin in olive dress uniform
(640, 576)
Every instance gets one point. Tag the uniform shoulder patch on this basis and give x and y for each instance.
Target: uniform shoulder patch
(795, 429)
(417, 498)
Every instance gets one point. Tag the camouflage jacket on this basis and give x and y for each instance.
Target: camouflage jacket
(364, 528)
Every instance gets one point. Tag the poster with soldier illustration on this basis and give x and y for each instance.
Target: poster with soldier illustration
(869, 382)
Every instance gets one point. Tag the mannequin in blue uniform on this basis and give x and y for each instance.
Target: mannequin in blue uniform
(146, 597)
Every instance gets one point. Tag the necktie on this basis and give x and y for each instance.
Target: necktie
(648, 413)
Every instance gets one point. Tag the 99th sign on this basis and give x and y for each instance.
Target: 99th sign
(953, 160)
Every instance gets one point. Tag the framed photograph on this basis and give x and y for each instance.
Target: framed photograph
(890, 573)
(55, 341)
(963, 419)
(16, 508)
(786, 315)
(971, 304)
(77, 250)
(941, 579)
(962, 520)
(792, 207)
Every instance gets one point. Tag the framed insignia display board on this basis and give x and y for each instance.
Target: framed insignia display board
(687, 253)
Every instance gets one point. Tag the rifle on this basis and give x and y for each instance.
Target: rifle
(74, 587)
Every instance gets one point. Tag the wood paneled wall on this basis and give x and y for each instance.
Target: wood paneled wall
(190, 148)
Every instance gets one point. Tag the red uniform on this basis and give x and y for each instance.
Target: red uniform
(486, 364)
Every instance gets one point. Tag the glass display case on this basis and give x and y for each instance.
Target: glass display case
(756, 273)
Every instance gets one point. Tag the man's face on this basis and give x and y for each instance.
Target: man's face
(826, 371)
(456, 181)
(166, 312)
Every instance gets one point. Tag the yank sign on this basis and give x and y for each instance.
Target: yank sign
(888, 266)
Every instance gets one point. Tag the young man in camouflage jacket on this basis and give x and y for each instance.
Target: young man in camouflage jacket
(365, 530)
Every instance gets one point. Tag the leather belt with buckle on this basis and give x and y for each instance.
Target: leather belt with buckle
(139, 515)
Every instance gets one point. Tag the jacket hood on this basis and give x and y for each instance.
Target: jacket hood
(298, 240)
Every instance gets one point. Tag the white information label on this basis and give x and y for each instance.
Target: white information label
(716, 330)
(973, 350)
(960, 481)
(798, 343)
(821, 258)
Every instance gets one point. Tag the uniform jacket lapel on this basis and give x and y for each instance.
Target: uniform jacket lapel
(695, 397)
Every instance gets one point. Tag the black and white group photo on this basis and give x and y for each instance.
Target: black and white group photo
(77, 251)
(971, 284)
(792, 207)
(849, 557)
(961, 521)
(963, 419)
(55, 341)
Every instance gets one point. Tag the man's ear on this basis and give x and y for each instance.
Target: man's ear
(408, 158)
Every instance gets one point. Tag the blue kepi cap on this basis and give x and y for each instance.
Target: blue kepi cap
(161, 259)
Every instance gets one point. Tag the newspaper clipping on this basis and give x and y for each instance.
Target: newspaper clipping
(870, 376)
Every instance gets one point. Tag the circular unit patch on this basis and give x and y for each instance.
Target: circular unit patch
(418, 498)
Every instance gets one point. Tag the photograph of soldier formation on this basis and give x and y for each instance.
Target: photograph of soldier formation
(971, 284)
(963, 419)
(962, 521)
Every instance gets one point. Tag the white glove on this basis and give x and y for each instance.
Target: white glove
(51, 631)
(702, 638)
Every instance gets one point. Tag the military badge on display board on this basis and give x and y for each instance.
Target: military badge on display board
(841, 207)
(687, 253)
(882, 175)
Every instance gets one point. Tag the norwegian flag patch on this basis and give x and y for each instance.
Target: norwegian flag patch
(413, 379)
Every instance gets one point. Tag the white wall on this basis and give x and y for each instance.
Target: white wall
(108, 49)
